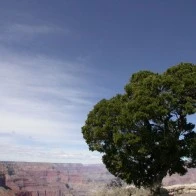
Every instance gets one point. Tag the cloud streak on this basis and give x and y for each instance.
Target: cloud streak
(40, 154)
(20, 32)
(44, 102)
(34, 29)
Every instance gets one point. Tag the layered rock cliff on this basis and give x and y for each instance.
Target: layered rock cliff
(46, 179)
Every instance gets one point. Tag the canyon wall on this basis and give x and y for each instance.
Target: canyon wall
(55, 179)
(47, 179)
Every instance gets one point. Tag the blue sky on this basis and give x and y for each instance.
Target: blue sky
(58, 58)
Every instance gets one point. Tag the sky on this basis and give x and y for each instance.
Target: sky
(59, 58)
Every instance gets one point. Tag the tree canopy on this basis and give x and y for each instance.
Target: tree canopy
(144, 134)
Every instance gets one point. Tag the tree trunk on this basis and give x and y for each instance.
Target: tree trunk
(156, 188)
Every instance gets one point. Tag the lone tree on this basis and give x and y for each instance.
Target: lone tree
(144, 134)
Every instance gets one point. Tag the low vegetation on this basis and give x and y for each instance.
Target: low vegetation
(128, 191)
(122, 192)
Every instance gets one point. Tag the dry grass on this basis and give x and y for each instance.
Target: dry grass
(122, 192)
(131, 191)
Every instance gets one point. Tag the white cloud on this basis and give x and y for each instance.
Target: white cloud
(41, 154)
(45, 102)
(33, 29)
(18, 32)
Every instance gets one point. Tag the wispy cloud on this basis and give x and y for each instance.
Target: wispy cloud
(34, 29)
(18, 32)
(44, 102)
(40, 154)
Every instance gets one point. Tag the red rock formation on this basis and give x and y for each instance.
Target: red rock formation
(45, 179)
(5, 192)
(2, 180)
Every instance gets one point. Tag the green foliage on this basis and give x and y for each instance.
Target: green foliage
(144, 133)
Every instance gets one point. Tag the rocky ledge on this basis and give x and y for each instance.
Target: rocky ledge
(182, 189)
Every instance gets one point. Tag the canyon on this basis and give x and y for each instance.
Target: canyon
(52, 179)
(64, 179)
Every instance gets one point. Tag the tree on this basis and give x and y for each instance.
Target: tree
(144, 134)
